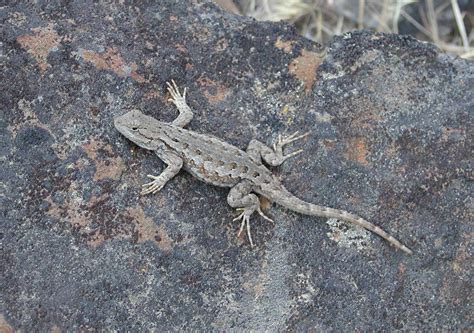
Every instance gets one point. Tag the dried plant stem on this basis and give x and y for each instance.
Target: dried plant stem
(460, 23)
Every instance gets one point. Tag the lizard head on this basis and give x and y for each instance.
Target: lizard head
(137, 127)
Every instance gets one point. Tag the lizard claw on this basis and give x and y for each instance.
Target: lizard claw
(245, 216)
(154, 186)
(176, 96)
(245, 223)
(264, 216)
(299, 151)
(282, 141)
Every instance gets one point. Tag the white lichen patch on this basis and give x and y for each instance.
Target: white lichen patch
(347, 235)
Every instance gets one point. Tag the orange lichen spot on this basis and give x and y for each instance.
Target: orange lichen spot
(29, 118)
(357, 151)
(221, 45)
(113, 61)
(304, 67)
(148, 230)
(284, 45)
(55, 329)
(180, 47)
(71, 210)
(106, 167)
(40, 44)
(213, 92)
(134, 221)
(4, 326)
(328, 143)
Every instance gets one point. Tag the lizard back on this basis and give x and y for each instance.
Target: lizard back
(211, 159)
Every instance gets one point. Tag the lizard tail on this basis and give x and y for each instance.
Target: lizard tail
(288, 200)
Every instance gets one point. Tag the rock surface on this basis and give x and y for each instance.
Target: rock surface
(81, 250)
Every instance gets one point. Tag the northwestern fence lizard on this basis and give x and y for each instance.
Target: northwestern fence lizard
(222, 164)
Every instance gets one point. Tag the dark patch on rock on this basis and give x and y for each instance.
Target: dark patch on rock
(81, 250)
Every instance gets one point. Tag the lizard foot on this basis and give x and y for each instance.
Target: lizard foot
(282, 141)
(245, 217)
(176, 96)
(154, 186)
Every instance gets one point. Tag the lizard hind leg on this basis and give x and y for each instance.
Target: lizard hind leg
(240, 197)
(274, 157)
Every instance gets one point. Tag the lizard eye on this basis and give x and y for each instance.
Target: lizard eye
(134, 128)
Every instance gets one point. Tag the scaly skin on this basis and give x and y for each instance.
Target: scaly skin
(222, 164)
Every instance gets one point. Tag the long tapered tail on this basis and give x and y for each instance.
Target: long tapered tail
(288, 200)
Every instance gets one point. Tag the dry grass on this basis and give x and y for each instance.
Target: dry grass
(441, 22)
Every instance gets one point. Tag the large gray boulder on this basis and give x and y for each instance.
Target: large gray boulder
(391, 138)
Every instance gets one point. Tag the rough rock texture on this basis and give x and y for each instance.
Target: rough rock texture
(80, 249)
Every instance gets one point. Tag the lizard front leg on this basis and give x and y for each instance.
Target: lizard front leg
(274, 157)
(174, 162)
(185, 113)
(240, 197)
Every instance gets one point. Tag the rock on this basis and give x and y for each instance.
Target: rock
(390, 119)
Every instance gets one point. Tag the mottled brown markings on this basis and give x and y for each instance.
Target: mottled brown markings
(213, 176)
(216, 175)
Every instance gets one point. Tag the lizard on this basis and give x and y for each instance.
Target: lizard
(219, 163)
